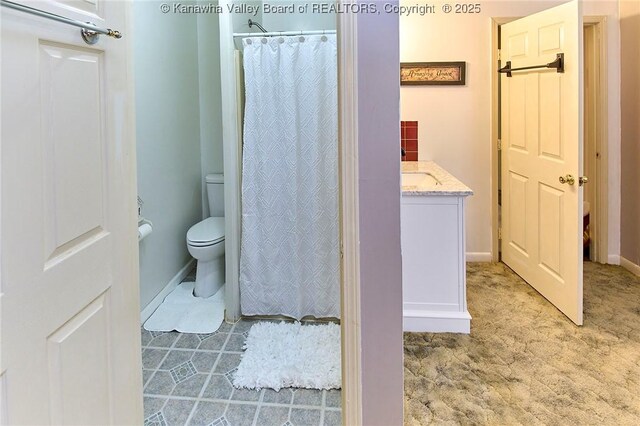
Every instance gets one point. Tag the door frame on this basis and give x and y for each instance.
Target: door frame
(601, 209)
(232, 164)
(600, 212)
(349, 212)
(349, 218)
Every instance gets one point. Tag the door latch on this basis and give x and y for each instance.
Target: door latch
(582, 180)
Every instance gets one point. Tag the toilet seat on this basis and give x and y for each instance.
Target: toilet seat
(207, 232)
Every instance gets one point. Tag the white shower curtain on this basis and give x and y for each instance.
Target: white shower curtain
(290, 261)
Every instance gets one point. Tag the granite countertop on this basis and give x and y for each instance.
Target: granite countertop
(443, 184)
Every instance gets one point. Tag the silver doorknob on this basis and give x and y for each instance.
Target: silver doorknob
(582, 180)
(567, 179)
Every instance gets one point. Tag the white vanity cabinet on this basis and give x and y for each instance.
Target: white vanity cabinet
(433, 250)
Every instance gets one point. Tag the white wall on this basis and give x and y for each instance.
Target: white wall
(300, 19)
(455, 121)
(210, 100)
(274, 19)
(171, 154)
(240, 20)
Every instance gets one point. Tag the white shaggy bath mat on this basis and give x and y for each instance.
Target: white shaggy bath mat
(184, 312)
(290, 355)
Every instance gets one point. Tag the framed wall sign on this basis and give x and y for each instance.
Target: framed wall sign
(432, 73)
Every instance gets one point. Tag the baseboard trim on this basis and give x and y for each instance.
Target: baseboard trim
(629, 266)
(613, 259)
(171, 285)
(436, 322)
(478, 256)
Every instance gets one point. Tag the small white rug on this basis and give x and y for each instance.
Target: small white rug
(280, 355)
(184, 312)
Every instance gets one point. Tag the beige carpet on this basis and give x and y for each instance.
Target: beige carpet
(525, 362)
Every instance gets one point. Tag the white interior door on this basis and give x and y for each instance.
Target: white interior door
(70, 318)
(542, 141)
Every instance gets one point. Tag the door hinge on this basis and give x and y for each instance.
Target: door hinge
(499, 144)
(500, 233)
(499, 54)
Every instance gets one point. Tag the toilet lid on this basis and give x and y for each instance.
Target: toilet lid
(209, 231)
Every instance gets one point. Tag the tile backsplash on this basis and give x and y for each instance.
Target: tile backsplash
(409, 140)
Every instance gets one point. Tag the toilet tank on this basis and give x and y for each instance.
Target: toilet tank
(215, 193)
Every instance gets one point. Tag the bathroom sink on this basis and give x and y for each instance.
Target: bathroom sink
(421, 179)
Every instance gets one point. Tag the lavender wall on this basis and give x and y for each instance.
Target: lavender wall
(379, 180)
(630, 146)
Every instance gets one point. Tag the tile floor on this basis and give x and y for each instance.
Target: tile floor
(187, 381)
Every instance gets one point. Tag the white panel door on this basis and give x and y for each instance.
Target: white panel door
(70, 319)
(542, 141)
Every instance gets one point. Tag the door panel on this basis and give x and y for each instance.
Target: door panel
(542, 141)
(73, 155)
(550, 119)
(79, 392)
(550, 229)
(517, 115)
(70, 318)
(518, 212)
(90, 6)
(550, 38)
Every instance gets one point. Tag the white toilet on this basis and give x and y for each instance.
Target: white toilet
(205, 241)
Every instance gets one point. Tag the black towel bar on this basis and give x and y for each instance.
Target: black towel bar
(558, 64)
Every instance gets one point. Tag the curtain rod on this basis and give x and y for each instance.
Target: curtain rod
(88, 30)
(284, 33)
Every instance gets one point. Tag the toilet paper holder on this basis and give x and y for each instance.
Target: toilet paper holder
(143, 230)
